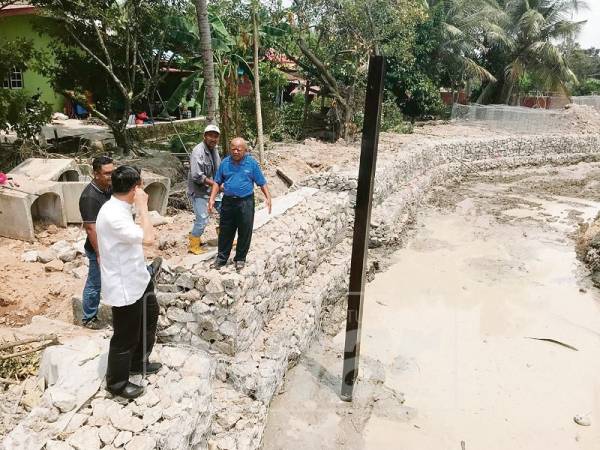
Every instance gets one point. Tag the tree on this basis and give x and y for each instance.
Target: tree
(331, 41)
(113, 49)
(259, 121)
(464, 29)
(19, 112)
(534, 29)
(208, 60)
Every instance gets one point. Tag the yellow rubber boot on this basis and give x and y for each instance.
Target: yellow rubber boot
(195, 245)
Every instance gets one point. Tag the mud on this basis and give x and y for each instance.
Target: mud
(448, 326)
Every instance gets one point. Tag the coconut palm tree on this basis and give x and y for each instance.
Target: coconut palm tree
(207, 57)
(535, 28)
(467, 28)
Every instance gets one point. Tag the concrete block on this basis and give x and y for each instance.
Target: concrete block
(157, 187)
(47, 169)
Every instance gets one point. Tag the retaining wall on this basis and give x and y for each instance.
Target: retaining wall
(259, 321)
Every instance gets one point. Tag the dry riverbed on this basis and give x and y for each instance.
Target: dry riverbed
(463, 333)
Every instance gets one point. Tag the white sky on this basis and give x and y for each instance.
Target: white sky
(590, 36)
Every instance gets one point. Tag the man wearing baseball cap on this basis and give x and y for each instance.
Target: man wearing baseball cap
(204, 162)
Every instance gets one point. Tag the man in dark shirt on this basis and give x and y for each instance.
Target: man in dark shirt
(92, 198)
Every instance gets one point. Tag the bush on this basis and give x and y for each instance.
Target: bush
(392, 119)
(591, 86)
(23, 114)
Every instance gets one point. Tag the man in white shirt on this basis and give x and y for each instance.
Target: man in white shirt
(127, 285)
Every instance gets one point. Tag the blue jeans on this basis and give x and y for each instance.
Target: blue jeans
(91, 291)
(200, 205)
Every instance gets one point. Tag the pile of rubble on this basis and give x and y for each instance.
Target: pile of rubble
(62, 256)
(75, 412)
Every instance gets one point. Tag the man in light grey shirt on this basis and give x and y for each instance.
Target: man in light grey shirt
(204, 162)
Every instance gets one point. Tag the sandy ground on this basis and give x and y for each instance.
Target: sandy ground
(27, 290)
(449, 327)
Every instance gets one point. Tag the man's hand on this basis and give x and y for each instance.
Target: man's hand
(268, 201)
(140, 200)
(211, 204)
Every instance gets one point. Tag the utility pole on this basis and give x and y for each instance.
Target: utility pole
(362, 220)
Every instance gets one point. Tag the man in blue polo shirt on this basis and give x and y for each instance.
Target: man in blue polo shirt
(237, 175)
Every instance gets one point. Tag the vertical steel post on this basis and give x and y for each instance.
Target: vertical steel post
(362, 219)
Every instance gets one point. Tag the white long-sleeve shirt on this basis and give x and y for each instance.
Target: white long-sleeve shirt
(123, 272)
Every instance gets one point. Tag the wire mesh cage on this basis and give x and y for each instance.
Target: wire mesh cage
(515, 119)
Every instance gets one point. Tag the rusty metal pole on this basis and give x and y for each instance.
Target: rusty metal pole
(362, 219)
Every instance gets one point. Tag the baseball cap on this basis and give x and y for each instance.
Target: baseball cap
(212, 127)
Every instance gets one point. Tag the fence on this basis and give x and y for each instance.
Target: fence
(515, 119)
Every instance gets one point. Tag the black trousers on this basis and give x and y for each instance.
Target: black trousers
(237, 214)
(127, 351)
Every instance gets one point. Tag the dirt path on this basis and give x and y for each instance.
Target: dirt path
(491, 265)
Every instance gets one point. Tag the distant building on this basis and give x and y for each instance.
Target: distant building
(17, 21)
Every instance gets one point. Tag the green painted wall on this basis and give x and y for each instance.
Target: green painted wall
(22, 27)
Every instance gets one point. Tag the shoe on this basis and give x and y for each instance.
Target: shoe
(195, 245)
(155, 268)
(151, 368)
(92, 324)
(216, 264)
(129, 391)
(239, 265)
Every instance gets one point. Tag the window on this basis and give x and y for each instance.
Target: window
(14, 80)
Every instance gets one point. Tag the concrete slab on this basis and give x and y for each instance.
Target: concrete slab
(47, 169)
(261, 218)
(48, 191)
(39, 202)
(157, 187)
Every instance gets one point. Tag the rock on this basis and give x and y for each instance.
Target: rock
(68, 255)
(80, 272)
(76, 422)
(141, 443)
(584, 421)
(57, 445)
(45, 256)
(228, 328)
(125, 421)
(185, 281)
(173, 330)
(214, 288)
(179, 315)
(157, 219)
(30, 257)
(61, 246)
(152, 415)
(107, 434)
(80, 246)
(54, 266)
(52, 229)
(31, 399)
(232, 285)
(149, 399)
(85, 438)
(199, 308)
(63, 400)
(208, 323)
(122, 438)
(173, 357)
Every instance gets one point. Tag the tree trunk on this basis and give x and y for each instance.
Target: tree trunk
(348, 112)
(122, 137)
(306, 106)
(259, 122)
(207, 57)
